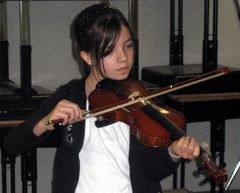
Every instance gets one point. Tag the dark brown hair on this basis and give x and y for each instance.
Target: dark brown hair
(96, 30)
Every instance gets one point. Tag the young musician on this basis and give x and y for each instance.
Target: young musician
(91, 159)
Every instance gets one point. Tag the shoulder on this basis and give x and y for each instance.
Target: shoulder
(73, 90)
(75, 86)
(74, 83)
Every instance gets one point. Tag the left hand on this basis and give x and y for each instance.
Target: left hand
(186, 147)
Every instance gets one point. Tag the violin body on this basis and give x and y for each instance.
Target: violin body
(144, 127)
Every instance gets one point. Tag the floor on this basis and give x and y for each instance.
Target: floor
(228, 191)
(185, 191)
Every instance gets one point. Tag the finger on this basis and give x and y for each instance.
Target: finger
(197, 151)
(78, 112)
(205, 145)
(184, 143)
(64, 116)
(194, 149)
(192, 145)
(185, 147)
(73, 109)
(66, 113)
(69, 109)
(177, 145)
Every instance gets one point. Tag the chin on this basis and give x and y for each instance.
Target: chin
(119, 77)
(123, 77)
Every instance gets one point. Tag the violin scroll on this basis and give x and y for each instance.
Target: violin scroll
(209, 168)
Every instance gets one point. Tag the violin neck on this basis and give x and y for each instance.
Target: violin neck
(205, 156)
(154, 113)
(206, 164)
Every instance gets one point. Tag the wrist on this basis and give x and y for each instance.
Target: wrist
(173, 155)
(40, 128)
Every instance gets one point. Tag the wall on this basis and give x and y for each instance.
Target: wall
(52, 56)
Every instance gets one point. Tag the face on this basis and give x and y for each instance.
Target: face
(117, 65)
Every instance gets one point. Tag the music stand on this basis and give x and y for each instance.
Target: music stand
(233, 175)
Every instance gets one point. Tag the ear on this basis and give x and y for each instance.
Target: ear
(86, 57)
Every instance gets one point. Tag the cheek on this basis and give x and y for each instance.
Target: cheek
(131, 55)
(107, 66)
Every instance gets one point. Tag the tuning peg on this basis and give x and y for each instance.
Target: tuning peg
(223, 165)
(204, 181)
(198, 172)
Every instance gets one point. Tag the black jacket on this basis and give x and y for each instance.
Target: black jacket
(148, 165)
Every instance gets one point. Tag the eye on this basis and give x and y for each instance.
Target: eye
(129, 45)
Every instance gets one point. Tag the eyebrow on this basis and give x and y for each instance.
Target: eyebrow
(129, 40)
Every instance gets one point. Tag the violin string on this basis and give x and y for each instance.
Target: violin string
(172, 127)
(159, 117)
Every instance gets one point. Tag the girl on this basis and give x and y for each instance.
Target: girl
(91, 159)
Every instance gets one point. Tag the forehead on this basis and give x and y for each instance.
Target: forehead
(124, 33)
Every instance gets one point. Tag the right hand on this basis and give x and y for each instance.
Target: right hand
(65, 110)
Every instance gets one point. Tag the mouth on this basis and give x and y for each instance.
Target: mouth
(123, 70)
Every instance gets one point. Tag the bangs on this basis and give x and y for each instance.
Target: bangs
(108, 36)
(105, 37)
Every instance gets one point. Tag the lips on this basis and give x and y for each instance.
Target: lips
(123, 70)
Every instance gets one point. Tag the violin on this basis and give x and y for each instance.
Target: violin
(130, 102)
(153, 125)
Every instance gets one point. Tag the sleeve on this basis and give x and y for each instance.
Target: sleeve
(157, 163)
(22, 138)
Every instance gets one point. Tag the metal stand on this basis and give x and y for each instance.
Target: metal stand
(29, 171)
(233, 175)
(8, 161)
(176, 58)
(218, 147)
(133, 21)
(4, 70)
(210, 46)
(176, 35)
(26, 89)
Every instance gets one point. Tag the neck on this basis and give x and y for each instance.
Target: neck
(91, 83)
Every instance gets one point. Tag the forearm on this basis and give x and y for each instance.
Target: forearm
(28, 134)
(21, 139)
(34, 131)
(40, 128)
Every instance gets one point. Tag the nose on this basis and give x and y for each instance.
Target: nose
(122, 55)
